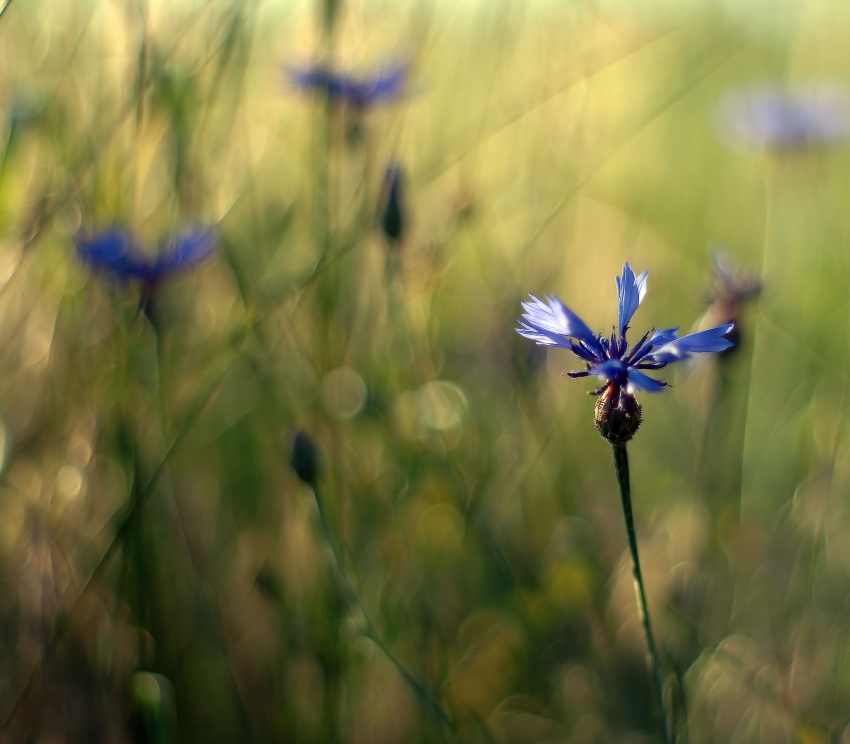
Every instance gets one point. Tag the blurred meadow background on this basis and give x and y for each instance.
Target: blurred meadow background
(461, 572)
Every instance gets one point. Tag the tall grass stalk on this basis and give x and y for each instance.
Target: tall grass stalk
(349, 593)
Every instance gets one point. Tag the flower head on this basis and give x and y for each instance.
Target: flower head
(769, 116)
(388, 85)
(116, 252)
(621, 366)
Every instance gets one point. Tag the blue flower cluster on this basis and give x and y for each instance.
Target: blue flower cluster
(618, 364)
(770, 116)
(117, 253)
(345, 88)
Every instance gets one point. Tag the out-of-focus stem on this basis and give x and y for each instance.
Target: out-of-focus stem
(323, 196)
(621, 466)
(349, 593)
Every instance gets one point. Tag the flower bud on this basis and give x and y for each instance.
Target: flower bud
(618, 414)
(304, 459)
(392, 218)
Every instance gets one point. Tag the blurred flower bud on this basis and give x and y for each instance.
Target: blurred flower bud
(304, 459)
(154, 712)
(618, 415)
(392, 214)
(731, 289)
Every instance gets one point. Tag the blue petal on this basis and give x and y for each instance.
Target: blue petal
(558, 318)
(630, 293)
(664, 337)
(386, 86)
(701, 342)
(612, 369)
(109, 251)
(640, 381)
(544, 338)
(319, 78)
(143, 268)
(313, 77)
(658, 339)
(191, 248)
(704, 341)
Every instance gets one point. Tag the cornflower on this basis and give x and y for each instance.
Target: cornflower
(622, 368)
(620, 365)
(773, 117)
(116, 252)
(346, 88)
(393, 218)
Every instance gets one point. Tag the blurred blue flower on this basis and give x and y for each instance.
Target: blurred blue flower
(117, 253)
(732, 288)
(618, 364)
(388, 85)
(769, 116)
(732, 285)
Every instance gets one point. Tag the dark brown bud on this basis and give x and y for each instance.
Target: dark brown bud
(617, 414)
(304, 459)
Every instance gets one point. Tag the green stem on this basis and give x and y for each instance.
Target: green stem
(621, 466)
(350, 595)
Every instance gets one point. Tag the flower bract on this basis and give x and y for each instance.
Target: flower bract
(619, 364)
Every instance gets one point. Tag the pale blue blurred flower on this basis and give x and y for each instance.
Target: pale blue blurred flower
(774, 117)
(116, 252)
(612, 359)
(388, 85)
(731, 284)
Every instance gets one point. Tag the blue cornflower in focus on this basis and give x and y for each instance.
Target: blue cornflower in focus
(621, 366)
(770, 116)
(117, 253)
(388, 85)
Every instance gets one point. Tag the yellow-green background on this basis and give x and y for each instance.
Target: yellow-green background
(543, 144)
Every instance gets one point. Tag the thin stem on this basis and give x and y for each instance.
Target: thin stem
(138, 496)
(758, 332)
(621, 466)
(350, 595)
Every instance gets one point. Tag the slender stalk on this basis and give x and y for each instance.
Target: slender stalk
(350, 595)
(138, 496)
(768, 232)
(621, 466)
